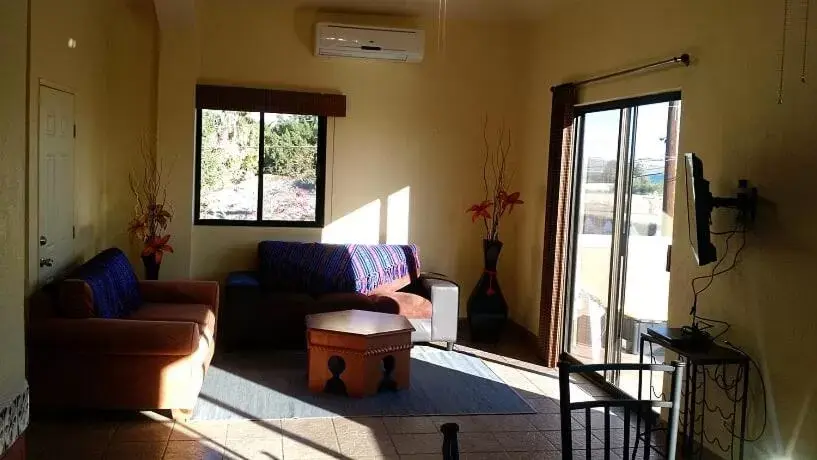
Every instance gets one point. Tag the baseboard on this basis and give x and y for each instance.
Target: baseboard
(16, 451)
(14, 419)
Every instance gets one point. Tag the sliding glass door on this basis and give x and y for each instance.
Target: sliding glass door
(592, 233)
(620, 227)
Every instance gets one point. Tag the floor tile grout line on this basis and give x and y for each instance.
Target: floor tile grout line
(337, 438)
(167, 441)
(388, 436)
(281, 431)
(110, 439)
(514, 370)
(524, 376)
(164, 451)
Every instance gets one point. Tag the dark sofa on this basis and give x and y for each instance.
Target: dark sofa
(268, 306)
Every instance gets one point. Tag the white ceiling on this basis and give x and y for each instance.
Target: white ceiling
(456, 9)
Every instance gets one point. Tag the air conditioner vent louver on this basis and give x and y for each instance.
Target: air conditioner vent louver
(342, 40)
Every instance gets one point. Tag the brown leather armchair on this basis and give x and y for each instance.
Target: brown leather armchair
(154, 358)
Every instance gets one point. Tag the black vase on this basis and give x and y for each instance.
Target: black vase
(151, 267)
(487, 309)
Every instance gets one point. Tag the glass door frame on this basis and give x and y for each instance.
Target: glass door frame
(628, 119)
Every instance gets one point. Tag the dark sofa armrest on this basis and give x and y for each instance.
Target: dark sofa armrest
(242, 298)
(243, 279)
(198, 292)
(114, 337)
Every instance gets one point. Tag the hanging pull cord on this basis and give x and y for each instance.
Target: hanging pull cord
(782, 69)
(804, 68)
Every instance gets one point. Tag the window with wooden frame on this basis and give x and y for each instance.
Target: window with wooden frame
(261, 156)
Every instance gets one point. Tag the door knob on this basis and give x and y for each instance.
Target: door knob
(43, 240)
(46, 262)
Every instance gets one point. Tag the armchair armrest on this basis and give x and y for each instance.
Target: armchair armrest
(432, 276)
(115, 336)
(445, 303)
(199, 292)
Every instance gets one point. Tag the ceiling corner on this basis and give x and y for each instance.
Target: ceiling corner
(175, 13)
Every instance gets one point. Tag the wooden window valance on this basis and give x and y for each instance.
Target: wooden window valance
(270, 100)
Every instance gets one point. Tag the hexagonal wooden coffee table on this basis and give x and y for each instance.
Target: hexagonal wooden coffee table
(358, 353)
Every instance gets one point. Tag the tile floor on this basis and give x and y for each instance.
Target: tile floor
(149, 436)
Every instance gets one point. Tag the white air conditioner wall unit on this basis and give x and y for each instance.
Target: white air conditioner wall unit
(344, 40)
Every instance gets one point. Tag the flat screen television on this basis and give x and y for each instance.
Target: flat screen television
(699, 209)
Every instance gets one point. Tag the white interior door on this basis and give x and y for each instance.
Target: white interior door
(56, 182)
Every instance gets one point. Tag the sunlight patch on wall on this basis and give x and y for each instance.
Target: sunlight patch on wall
(360, 226)
(397, 217)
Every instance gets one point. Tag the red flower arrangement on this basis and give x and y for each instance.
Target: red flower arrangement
(480, 210)
(156, 247)
(495, 178)
(151, 214)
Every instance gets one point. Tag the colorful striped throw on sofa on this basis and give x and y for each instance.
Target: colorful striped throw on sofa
(319, 268)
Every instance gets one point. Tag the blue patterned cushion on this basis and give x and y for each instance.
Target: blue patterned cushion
(113, 284)
(322, 268)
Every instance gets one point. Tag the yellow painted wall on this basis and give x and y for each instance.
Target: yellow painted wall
(131, 70)
(178, 70)
(13, 39)
(731, 118)
(408, 126)
(111, 73)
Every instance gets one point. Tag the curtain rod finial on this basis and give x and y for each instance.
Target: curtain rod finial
(685, 59)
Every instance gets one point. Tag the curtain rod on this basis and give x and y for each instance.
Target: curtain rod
(684, 59)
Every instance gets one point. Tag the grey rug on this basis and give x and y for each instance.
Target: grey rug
(273, 385)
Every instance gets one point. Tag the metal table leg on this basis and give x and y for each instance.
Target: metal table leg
(640, 361)
(692, 401)
(640, 385)
(743, 408)
(686, 445)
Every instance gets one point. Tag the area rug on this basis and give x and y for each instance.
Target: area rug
(273, 385)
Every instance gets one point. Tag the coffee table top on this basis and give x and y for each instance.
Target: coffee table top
(359, 322)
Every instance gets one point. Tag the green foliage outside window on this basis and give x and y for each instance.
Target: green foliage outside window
(230, 142)
(291, 147)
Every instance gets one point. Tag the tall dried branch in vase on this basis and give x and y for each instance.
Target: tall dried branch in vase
(152, 214)
(496, 178)
(487, 308)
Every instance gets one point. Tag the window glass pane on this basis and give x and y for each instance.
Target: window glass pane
(594, 238)
(229, 165)
(290, 167)
(646, 290)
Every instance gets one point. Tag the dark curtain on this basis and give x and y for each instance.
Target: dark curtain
(560, 158)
